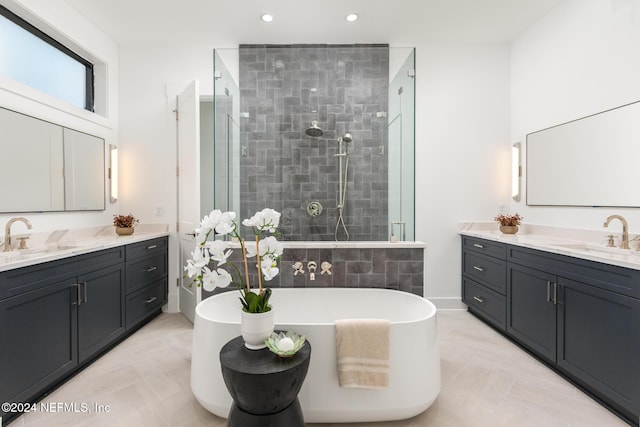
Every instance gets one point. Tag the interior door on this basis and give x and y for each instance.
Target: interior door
(188, 111)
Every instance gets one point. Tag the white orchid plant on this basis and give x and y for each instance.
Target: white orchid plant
(267, 250)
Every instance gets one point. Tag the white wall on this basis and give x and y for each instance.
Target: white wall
(72, 28)
(462, 152)
(580, 59)
(150, 79)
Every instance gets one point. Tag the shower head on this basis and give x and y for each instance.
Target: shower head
(314, 130)
(347, 137)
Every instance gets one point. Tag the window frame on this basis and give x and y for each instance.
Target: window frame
(89, 76)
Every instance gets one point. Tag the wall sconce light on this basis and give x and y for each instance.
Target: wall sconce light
(113, 172)
(516, 171)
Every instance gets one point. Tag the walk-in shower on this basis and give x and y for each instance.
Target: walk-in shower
(313, 132)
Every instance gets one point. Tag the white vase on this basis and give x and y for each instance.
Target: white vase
(255, 328)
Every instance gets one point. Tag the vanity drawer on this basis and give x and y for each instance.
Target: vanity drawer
(145, 302)
(487, 247)
(146, 248)
(145, 271)
(489, 271)
(489, 304)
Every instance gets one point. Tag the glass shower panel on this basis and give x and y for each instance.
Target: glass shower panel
(401, 128)
(226, 130)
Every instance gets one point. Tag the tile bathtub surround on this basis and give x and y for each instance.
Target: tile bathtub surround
(283, 88)
(486, 381)
(392, 268)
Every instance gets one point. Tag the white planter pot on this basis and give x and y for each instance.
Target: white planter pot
(255, 328)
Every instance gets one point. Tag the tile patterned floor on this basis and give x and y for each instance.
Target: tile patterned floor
(486, 381)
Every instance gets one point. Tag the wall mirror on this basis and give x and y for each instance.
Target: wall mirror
(46, 167)
(586, 162)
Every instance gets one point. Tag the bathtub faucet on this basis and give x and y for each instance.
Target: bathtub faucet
(311, 266)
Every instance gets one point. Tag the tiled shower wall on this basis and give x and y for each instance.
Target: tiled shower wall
(391, 268)
(345, 88)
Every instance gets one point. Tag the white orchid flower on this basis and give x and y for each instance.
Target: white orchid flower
(219, 252)
(250, 249)
(210, 221)
(200, 257)
(266, 219)
(201, 236)
(270, 245)
(192, 269)
(212, 279)
(269, 269)
(271, 219)
(255, 221)
(226, 223)
(225, 228)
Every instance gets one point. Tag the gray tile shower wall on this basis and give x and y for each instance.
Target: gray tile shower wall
(391, 268)
(283, 88)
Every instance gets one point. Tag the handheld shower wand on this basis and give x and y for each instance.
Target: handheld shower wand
(342, 182)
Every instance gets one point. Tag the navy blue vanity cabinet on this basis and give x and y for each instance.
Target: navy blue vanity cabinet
(484, 279)
(583, 317)
(531, 314)
(38, 340)
(101, 313)
(147, 283)
(56, 316)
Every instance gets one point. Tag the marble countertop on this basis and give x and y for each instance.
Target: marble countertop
(585, 244)
(58, 244)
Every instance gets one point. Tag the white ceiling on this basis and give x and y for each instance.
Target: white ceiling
(228, 23)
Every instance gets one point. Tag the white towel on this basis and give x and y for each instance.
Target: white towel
(362, 347)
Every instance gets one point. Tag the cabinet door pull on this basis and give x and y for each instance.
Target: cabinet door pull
(478, 245)
(548, 291)
(477, 267)
(479, 299)
(78, 300)
(152, 247)
(150, 269)
(555, 294)
(86, 292)
(150, 300)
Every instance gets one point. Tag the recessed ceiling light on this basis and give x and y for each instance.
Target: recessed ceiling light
(351, 17)
(266, 17)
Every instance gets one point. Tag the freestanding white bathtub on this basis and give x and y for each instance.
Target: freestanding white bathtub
(414, 379)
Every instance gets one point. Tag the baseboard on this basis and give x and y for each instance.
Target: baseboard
(447, 303)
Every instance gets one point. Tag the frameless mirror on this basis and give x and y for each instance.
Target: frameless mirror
(586, 162)
(45, 167)
(83, 171)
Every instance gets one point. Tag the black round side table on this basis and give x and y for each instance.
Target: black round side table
(264, 387)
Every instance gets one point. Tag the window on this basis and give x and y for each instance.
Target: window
(33, 58)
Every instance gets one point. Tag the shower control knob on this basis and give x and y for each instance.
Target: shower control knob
(298, 268)
(326, 268)
(314, 209)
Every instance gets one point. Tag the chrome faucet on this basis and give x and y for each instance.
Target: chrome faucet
(7, 231)
(625, 229)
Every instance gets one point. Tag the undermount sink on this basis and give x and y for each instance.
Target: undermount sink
(51, 248)
(16, 254)
(597, 249)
